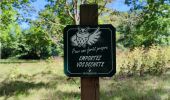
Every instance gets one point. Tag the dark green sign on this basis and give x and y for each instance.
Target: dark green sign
(89, 51)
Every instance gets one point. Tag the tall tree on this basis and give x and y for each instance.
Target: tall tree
(10, 30)
(152, 23)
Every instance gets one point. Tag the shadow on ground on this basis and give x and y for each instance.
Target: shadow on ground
(139, 88)
(128, 92)
(22, 84)
(62, 95)
(17, 87)
(133, 88)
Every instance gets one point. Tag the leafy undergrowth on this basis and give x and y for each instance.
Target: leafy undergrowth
(141, 61)
(45, 80)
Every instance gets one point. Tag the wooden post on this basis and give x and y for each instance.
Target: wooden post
(89, 85)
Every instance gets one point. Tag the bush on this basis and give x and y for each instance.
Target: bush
(139, 61)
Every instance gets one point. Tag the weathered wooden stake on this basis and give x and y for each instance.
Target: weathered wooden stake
(89, 85)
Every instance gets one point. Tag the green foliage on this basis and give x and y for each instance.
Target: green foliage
(7, 27)
(37, 43)
(10, 31)
(148, 23)
(57, 15)
(145, 24)
(44, 38)
(153, 61)
(53, 24)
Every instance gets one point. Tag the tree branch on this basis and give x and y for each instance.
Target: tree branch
(68, 11)
(103, 8)
(83, 1)
(52, 22)
(76, 14)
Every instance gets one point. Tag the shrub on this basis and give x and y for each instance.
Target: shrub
(152, 60)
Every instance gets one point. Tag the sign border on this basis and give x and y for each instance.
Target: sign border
(113, 50)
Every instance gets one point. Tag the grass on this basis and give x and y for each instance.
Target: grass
(45, 80)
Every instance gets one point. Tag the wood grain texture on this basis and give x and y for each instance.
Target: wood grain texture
(89, 85)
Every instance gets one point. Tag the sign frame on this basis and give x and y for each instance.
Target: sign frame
(112, 51)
